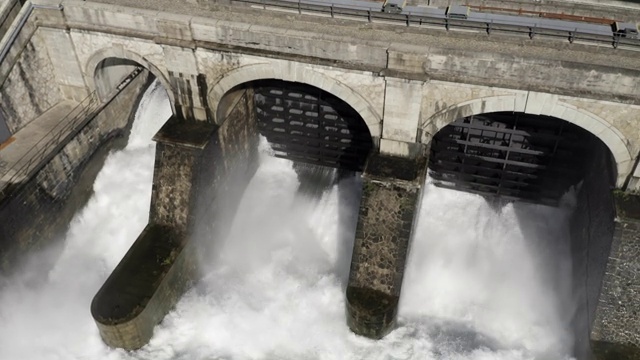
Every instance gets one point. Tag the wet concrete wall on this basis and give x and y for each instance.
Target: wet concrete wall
(592, 228)
(195, 163)
(33, 213)
(604, 322)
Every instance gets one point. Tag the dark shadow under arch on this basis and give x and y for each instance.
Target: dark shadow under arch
(512, 155)
(110, 72)
(306, 124)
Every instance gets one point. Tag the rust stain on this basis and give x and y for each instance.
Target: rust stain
(7, 143)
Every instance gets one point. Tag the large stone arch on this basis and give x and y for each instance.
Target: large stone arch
(296, 72)
(121, 53)
(539, 104)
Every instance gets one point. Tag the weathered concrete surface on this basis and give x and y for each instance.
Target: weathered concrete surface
(66, 68)
(195, 162)
(390, 198)
(29, 88)
(202, 53)
(616, 329)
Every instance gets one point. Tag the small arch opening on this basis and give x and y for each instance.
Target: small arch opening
(110, 73)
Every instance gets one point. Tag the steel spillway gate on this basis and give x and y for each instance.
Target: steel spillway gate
(512, 155)
(306, 124)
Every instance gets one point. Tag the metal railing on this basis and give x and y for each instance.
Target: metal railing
(50, 144)
(15, 31)
(425, 19)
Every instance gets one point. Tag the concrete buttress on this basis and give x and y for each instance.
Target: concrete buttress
(390, 200)
(197, 166)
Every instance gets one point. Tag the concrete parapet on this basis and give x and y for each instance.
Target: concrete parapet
(616, 327)
(390, 199)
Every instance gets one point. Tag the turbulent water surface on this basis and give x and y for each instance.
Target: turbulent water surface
(483, 282)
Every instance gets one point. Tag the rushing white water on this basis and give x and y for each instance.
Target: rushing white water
(480, 283)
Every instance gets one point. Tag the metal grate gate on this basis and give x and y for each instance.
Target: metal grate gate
(511, 155)
(306, 124)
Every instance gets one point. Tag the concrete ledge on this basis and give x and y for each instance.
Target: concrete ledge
(192, 134)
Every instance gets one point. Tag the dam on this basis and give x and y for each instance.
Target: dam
(283, 268)
(359, 195)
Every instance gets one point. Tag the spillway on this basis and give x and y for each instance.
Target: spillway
(484, 281)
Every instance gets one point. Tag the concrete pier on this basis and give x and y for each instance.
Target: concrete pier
(158, 268)
(194, 171)
(390, 199)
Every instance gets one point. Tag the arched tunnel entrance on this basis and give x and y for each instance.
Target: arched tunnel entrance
(307, 125)
(110, 72)
(113, 74)
(512, 155)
